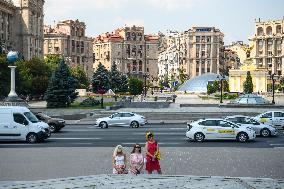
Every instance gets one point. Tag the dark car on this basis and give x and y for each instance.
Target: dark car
(55, 124)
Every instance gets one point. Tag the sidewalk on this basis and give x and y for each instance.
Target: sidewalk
(147, 181)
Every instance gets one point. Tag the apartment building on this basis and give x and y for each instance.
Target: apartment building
(268, 51)
(68, 39)
(134, 52)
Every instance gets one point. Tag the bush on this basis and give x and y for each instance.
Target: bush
(89, 102)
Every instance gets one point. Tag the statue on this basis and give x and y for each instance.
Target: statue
(247, 50)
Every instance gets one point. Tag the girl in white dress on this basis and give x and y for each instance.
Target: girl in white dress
(119, 161)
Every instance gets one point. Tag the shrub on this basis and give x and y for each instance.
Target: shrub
(89, 102)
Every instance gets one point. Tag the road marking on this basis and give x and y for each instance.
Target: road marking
(76, 138)
(278, 147)
(143, 143)
(178, 128)
(157, 133)
(276, 144)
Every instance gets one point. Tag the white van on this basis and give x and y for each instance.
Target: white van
(19, 123)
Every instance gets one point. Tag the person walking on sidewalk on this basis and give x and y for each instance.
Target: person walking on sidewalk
(152, 154)
(136, 160)
(119, 161)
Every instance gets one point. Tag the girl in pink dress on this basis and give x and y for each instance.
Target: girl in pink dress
(136, 160)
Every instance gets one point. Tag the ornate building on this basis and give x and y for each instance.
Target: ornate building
(22, 27)
(68, 39)
(130, 49)
(268, 51)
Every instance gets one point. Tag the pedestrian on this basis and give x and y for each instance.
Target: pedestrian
(152, 154)
(136, 160)
(119, 160)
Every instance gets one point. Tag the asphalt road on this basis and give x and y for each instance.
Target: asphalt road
(167, 135)
(85, 150)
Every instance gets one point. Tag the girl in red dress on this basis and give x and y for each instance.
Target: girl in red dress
(152, 148)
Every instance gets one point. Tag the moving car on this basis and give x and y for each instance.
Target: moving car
(204, 129)
(127, 119)
(274, 118)
(261, 129)
(19, 123)
(55, 124)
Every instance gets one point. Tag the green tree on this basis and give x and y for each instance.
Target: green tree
(115, 78)
(248, 85)
(61, 88)
(52, 61)
(182, 75)
(4, 76)
(81, 77)
(101, 79)
(33, 77)
(124, 84)
(225, 86)
(135, 86)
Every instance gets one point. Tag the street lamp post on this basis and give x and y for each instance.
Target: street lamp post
(221, 78)
(145, 84)
(273, 85)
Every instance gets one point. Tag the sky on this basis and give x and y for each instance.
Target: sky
(235, 18)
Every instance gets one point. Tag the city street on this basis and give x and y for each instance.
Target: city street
(168, 135)
(60, 156)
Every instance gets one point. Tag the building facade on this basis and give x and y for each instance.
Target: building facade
(134, 52)
(268, 46)
(68, 39)
(22, 27)
(196, 51)
(7, 31)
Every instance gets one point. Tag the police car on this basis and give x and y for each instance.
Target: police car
(275, 118)
(261, 129)
(204, 129)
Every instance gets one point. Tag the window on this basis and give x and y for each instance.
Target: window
(278, 114)
(19, 118)
(224, 124)
(210, 123)
(233, 119)
(197, 39)
(117, 115)
(267, 115)
(31, 117)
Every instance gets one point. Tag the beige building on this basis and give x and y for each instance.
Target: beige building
(205, 50)
(240, 49)
(268, 51)
(130, 49)
(68, 39)
(21, 27)
(197, 51)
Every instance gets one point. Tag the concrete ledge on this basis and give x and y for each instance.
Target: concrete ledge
(147, 181)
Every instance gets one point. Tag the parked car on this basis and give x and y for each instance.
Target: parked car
(261, 129)
(204, 129)
(55, 124)
(127, 119)
(274, 118)
(19, 123)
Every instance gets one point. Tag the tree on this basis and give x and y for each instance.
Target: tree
(182, 75)
(248, 85)
(225, 85)
(81, 77)
(61, 88)
(115, 78)
(124, 84)
(135, 86)
(4, 77)
(52, 61)
(33, 77)
(100, 79)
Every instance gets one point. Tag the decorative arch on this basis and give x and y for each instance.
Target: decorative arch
(269, 30)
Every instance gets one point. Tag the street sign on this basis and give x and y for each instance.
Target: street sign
(175, 83)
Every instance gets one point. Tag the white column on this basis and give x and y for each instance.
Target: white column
(12, 91)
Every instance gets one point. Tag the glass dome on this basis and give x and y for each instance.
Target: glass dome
(250, 99)
(198, 84)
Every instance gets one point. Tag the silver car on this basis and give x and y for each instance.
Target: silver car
(261, 129)
(127, 119)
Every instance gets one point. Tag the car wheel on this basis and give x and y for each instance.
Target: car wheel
(134, 124)
(52, 128)
(199, 137)
(265, 132)
(242, 137)
(103, 125)
(32, 138)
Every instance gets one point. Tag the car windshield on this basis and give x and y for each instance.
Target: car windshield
(31, 117)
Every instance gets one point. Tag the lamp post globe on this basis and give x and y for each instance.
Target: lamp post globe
(12, 57)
